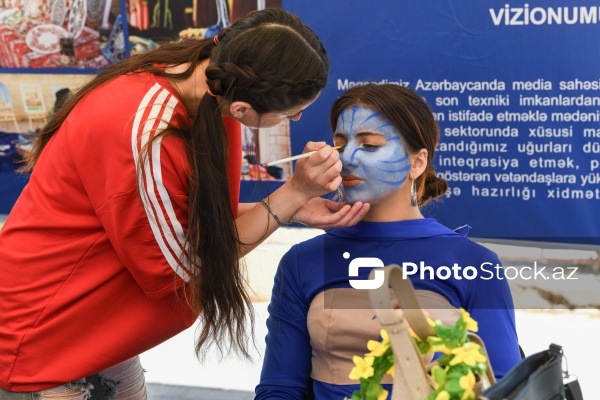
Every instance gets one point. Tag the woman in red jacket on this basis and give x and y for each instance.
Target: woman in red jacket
(129, 229)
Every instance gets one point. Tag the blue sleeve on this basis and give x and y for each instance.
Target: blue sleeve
(490, 303)
(287, 362)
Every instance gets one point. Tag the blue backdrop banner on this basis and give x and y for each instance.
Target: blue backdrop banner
(515, 88)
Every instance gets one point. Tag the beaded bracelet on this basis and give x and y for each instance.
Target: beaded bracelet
(279, 222)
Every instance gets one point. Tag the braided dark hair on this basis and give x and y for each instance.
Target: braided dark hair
(287, 72)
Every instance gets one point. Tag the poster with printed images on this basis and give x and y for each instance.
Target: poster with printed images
(27, 99)
(61, 34)
(33, 101)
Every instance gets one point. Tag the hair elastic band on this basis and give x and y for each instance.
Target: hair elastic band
(210, 93)
(216, 39)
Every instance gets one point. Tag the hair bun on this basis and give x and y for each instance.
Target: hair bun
(434, 186)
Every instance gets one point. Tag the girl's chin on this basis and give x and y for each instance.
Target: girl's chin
(353, 196)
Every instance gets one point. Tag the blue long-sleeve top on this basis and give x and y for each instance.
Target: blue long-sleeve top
(314, 269)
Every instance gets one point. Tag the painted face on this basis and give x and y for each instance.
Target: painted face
(375, 161)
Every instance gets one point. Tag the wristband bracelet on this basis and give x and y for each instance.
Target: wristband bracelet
(279, 222)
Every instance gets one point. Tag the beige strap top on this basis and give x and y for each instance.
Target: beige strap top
(340, 323)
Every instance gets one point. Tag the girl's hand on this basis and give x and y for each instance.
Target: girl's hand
(326, 214)
(319, 173)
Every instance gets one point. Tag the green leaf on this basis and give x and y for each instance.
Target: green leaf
(374, 390)
(458, 370)
(439, 375)
(445, 359)
(424, 347)
(454, 375)
(453, 387)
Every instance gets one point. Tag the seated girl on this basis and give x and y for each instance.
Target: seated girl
(317, 320)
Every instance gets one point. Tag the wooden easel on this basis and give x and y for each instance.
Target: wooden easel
(8, 117)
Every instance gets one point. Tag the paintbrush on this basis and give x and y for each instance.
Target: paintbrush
(299, 156)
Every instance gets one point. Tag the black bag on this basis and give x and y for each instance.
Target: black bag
(537, 377)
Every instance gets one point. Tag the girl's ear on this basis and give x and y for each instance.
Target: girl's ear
(419, 163)
(239, 108)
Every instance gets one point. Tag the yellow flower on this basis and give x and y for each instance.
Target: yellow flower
(363, 368)
(383, 395)
(413, 334)
(467, 382)
(469, 354)
(437, 345)
(440, 348)
(377, 348)
(471, 323)
(384, 336)
(391, 371)
(443, 395)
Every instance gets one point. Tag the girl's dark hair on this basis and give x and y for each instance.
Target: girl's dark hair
(269, 59)
(412, 118)
(62, 96)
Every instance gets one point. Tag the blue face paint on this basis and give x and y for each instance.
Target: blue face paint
(375, 160)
